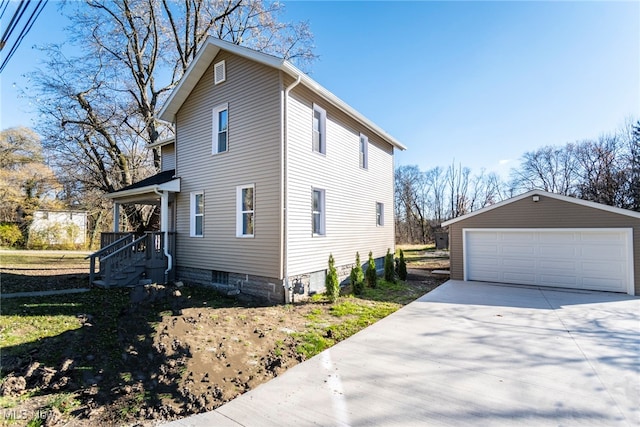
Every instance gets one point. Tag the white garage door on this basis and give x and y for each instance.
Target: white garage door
(596, 259)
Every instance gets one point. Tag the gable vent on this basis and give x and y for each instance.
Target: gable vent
(219, 73)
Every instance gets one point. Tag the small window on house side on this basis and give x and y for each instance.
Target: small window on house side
(219, 72)
(245, 210)
(364, 151)
(319, 130)
(318, 212)
(197, 215)
(220, 277)
(221, 129)
(379, 214)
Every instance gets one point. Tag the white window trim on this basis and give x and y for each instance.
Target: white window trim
(380, 223)
(193, 215)
(323, 129)
(224, 72)
(216, 124)
(365, 152)
(240, 212)
(323, 212)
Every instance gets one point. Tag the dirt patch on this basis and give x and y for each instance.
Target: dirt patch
(152, 354)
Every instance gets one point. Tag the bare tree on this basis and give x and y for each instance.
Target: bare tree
(100, 110)
(458, 180)
(486, 189)
(632, 136)
(551, 169)
(601, 173)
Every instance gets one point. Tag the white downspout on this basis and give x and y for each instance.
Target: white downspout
(164, 227)
(284, 192)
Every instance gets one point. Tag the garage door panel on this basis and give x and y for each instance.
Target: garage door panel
(614, 268)
(557, 251)
(519, 277)
(510, 250)
(557, 265)
(606, 252)
(601, 284)
(485, 275)
(518, 263)
(577, 258)
(557, 280)
(523, 237)
(560, 238)
(482, 249)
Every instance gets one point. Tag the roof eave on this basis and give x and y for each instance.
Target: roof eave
(209, 51)
(171, 186)
(530, 193)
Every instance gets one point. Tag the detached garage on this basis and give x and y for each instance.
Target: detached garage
(545, 239)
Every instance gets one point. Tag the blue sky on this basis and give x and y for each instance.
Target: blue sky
(478, 82)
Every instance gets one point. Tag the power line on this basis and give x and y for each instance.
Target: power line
(25, 29)
(22, 6)
(3, 6)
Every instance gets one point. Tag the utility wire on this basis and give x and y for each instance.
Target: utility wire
(3, 6)
(22, 6)
(25, 30)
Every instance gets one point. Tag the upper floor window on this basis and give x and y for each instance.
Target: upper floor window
(219, 72)
(364, 152)
(221, 128)
(379, 214)
(318, 212)
(245, 210)
(197, 215)
(319, 129)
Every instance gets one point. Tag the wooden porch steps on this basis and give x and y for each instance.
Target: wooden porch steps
(127, 260)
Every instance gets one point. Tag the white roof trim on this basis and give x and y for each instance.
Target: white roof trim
(568, 199)
(172, 186)
(212, 46)
(162, 142)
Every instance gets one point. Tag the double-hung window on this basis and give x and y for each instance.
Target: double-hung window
(318, 212)
(319, 130)
(364, 151)
(220, 129)
(245, 210)
(379, 214)
(197, 215)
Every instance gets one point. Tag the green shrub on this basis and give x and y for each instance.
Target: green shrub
(357, 277)
(372, 275)
(402, 267)
(10, 235)
(332, 286)
(389, 273)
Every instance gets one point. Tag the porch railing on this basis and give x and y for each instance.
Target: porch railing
(124, 253)
(120, 261)
(109, 243)
(107, 239)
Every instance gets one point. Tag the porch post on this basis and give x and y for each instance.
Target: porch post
(164, 211)
(116, 217)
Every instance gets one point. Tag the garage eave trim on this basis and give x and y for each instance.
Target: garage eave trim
(531, 193)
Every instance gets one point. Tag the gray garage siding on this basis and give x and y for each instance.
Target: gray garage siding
(546, 213)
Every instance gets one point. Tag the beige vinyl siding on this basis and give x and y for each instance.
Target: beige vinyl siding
(351, 192)
(252, 92)
(547, 213)
(168, 157)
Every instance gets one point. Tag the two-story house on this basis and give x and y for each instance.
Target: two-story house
(267, 175)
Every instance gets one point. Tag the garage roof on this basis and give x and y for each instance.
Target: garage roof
(208, 52)
(532, 193)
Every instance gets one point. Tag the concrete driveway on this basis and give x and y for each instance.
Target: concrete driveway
(466, 354)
